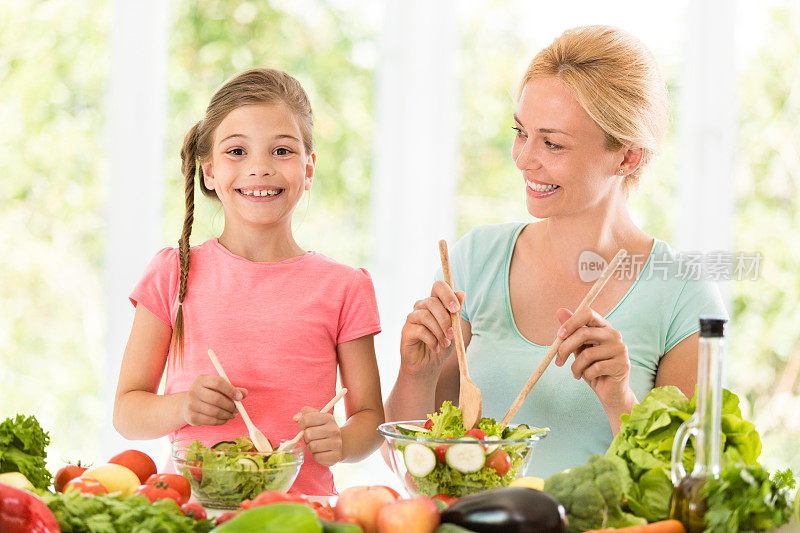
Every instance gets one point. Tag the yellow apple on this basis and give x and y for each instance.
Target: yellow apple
(115, 478)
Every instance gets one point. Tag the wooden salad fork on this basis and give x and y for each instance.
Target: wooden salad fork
(259, 440)
(551, 353)
(469, 395)
(289, 444)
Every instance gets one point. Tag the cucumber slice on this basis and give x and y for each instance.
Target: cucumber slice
(407, 429)
(223, 445)
(468, 438)
(420, 460)
(490, 448)
(465, 458)
(247, 464)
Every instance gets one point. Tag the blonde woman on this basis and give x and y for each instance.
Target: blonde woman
(590, 115)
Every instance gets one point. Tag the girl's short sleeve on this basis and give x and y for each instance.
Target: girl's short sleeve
(359, 315)
(158, 287)
(696, 299)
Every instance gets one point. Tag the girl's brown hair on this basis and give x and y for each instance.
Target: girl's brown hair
(254, 86)
(616, 80)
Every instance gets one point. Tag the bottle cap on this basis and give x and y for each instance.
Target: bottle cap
(712, 327)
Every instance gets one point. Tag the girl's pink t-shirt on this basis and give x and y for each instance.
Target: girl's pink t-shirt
(274, 328)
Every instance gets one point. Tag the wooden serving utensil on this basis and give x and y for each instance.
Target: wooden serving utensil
(259, 440)
(289, 444)
(551, 353)
(469, 395)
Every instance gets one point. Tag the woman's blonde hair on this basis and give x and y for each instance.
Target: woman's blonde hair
(615, 78)
(254, 86)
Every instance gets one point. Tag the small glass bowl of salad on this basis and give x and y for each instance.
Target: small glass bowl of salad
(230, 471)
(438, 456)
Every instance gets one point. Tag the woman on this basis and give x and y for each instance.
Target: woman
(590, 115)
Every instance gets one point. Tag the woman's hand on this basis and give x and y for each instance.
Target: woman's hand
(209, 401)
(322, 435)
(601, 358)
(428, 331)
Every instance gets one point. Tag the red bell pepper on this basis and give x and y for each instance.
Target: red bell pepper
(24, 512)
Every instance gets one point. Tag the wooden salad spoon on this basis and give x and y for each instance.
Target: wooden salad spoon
(469, 395)
(259, 440)
(551, 353)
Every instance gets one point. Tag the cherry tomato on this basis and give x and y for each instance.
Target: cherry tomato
(446, 498)
(67, 473)
(197, 470)
(176, 482)
(477, 433)
(158, 491)
(194, 510)
(441, 450)
(85, 485)
(500, 461)
(224, 517)
(138, 462)
(428, 424)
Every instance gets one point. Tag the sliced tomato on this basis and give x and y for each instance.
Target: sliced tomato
(441, 450)
(500, 461)
(197, 470)
(428, 424)
(477, 433)
(176, 482)
(194, 510)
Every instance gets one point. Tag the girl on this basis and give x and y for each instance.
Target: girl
(280, 319)
(590, 114)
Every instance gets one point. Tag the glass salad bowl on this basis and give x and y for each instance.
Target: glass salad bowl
(225, 474)
(460, 466)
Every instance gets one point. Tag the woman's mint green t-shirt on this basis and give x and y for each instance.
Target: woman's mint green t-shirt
(660, 309)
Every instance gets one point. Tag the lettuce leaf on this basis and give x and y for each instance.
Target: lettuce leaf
(22, 449)
(642, 450)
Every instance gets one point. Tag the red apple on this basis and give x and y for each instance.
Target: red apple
(416, 515)
(362, 504)
(67, 474)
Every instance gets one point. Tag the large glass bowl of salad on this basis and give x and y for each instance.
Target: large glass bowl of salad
(439, 456)
(230, 471)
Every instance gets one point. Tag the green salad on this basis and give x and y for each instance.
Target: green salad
(231, 471)
(471, 463)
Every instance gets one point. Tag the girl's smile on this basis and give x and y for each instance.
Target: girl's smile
(260, 193)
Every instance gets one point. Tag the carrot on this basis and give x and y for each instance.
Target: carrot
(664, 526)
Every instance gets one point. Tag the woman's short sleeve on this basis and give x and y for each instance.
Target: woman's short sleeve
(359, 316)
(158, 287)
(696, 299)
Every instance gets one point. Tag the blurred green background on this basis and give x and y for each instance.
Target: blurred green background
(53, 163)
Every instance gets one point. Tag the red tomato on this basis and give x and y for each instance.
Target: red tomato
(477, 433)
(446, 498)
(85, 485)
(440, 452)
(158, 491)
(270, 496)
(139, 462)
(194, 510)
(324, 512)
(500, 461)
(224, 517)
(429, 424)
(67, 473)
(197, 470)
(176, 482)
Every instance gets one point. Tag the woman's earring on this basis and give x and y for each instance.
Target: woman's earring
(621, 171)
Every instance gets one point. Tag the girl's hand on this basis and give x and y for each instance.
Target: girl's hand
(322, 435)
(209, 401)
(428, 331)
(601, 358)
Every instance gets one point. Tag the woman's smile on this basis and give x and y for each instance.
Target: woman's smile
(537, 189)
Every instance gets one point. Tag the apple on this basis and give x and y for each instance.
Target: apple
(362, 504)
(67, 473)
(415, 515)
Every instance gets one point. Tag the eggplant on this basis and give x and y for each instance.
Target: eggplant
(508, 510)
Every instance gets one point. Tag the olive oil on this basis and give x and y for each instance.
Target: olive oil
(687, 505)
(705, 425)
